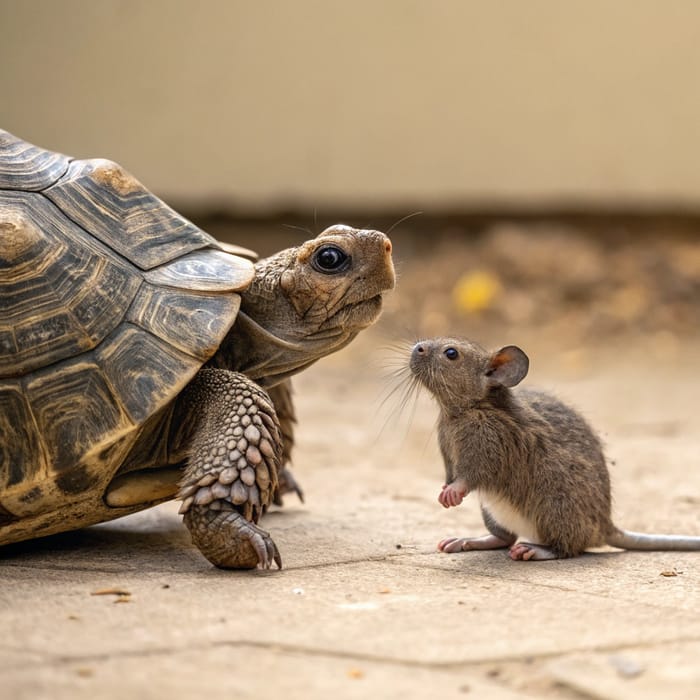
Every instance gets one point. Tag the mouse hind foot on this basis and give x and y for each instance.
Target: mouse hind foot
(525, 551)
(450, 545)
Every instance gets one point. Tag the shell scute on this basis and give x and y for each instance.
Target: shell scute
(206, 270)
(194, 324)
(21, 455)
(24, 166)
(116, 208)
(49, 285)
(107, 292)
(146, 372)
(75, 411)
(110, 302)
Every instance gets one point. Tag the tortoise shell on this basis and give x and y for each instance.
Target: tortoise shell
(110, 302)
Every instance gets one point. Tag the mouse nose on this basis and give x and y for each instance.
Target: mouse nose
(419, 350)
(419, 357)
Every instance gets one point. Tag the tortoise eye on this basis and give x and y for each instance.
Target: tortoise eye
(451, 354)
(330, 259)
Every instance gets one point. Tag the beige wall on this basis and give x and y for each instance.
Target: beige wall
(369, 103)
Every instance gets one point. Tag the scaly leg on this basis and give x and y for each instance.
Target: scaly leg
(281, 396)
(231, 472)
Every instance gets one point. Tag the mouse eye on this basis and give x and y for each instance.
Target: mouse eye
(451, 354)
(330, 259)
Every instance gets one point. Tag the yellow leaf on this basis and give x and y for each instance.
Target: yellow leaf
(476, 291)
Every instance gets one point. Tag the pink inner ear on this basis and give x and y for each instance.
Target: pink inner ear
(508, 366)
(502, 357)
(499, 359)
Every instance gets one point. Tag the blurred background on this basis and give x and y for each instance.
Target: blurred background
(538, 167)
(550, 148)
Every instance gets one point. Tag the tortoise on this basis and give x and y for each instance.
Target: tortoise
(142, 360)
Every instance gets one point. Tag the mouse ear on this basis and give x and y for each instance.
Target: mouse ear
(507, 366)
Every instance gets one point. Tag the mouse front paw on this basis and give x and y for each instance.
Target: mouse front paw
(452, 494)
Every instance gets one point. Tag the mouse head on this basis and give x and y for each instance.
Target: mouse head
(460, 373)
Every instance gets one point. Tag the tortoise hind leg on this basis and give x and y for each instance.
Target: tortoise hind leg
(231, 472)
(281, 396)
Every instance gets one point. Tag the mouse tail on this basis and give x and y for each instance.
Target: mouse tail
(624, 539)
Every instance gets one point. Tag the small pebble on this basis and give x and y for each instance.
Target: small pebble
(625, 666)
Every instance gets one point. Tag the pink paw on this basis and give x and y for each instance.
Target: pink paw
(524, 551)
(452, 495)
(451, 545)
(521, 551)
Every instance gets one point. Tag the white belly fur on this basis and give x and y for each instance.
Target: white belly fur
(505, 514)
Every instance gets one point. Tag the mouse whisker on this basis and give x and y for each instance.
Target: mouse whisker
(401, 391)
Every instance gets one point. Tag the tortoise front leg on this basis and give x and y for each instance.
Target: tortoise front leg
(231, 473)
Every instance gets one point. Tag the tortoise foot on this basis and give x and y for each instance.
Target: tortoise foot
(287, 484)
(229, 541)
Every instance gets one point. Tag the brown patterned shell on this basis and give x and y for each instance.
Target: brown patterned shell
(110, 302)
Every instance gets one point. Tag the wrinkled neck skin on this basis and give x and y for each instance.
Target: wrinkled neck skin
(270, 340)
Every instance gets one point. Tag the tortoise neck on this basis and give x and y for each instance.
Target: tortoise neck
(267, 358)
(277, 333)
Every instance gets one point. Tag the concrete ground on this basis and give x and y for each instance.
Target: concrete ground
(365, 606)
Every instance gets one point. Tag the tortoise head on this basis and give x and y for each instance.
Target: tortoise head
(309, 301)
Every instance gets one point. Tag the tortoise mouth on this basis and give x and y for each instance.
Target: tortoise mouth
(359, 314)
(373, 306)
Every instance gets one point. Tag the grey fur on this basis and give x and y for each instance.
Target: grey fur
(527, 452)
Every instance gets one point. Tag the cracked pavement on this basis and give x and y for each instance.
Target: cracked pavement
(364, 604)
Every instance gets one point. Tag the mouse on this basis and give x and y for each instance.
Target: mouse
(536, 465)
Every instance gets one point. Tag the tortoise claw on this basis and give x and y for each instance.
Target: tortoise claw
(264, 546)
(274, 553)
(229, 541)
